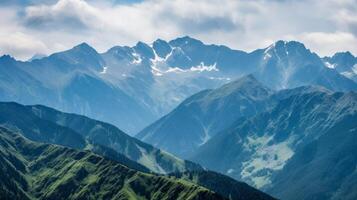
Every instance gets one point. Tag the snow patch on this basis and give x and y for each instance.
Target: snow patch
(175, 69)
(329, 65)
(104, 70)
(267, 56)
(160, 68)
(351, 73)
(202, 67)
(156, 71)
(158, 63)
(354, 68)
(137, 59)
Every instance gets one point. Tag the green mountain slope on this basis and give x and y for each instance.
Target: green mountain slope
(43, 124)
(223, 185)
(31, 170)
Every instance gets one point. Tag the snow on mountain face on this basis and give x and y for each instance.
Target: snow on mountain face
(157, 77)
(289, 62)
(344, 62)
(184, 66)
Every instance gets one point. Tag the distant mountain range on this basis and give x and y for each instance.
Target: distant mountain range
(295, 143)
(134, 86)
(74, 157)
(344, 62)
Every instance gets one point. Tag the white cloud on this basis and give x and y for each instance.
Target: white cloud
(326, 27)
(20, 44)
(329, 43)
(65, 13)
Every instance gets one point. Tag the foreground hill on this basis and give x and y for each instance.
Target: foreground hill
(44, 124)
(224, 185)
(31, 170)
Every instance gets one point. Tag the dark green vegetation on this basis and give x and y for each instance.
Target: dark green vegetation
(44, 124)
(223, 185)
(30, 170)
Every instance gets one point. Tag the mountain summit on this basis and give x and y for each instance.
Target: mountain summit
(202, 115)
(144, 82)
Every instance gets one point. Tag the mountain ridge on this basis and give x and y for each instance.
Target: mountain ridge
(260, 147)
(43, 124)
(149, 80)
(243, 97)
(44, 171)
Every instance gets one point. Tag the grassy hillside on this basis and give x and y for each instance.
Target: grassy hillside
(43, 124)
(31, 170)
(223, 185)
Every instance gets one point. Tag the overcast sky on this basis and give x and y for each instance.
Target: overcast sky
(28, 27)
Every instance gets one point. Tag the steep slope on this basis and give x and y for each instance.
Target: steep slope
(70, 81)
(202, 115)
(149, 75)
(322, 169)
(290, 64)
(17, 84)
(90, 96)
(344, 62)
(31, 170)
(223, 185)
(44, 124)
(139, 84)
(257, 148)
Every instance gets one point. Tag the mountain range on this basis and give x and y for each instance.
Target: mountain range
(43, 124)
(344, 62)
(280, 141)
(139, 84)
(44, 154)
(179, 119)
